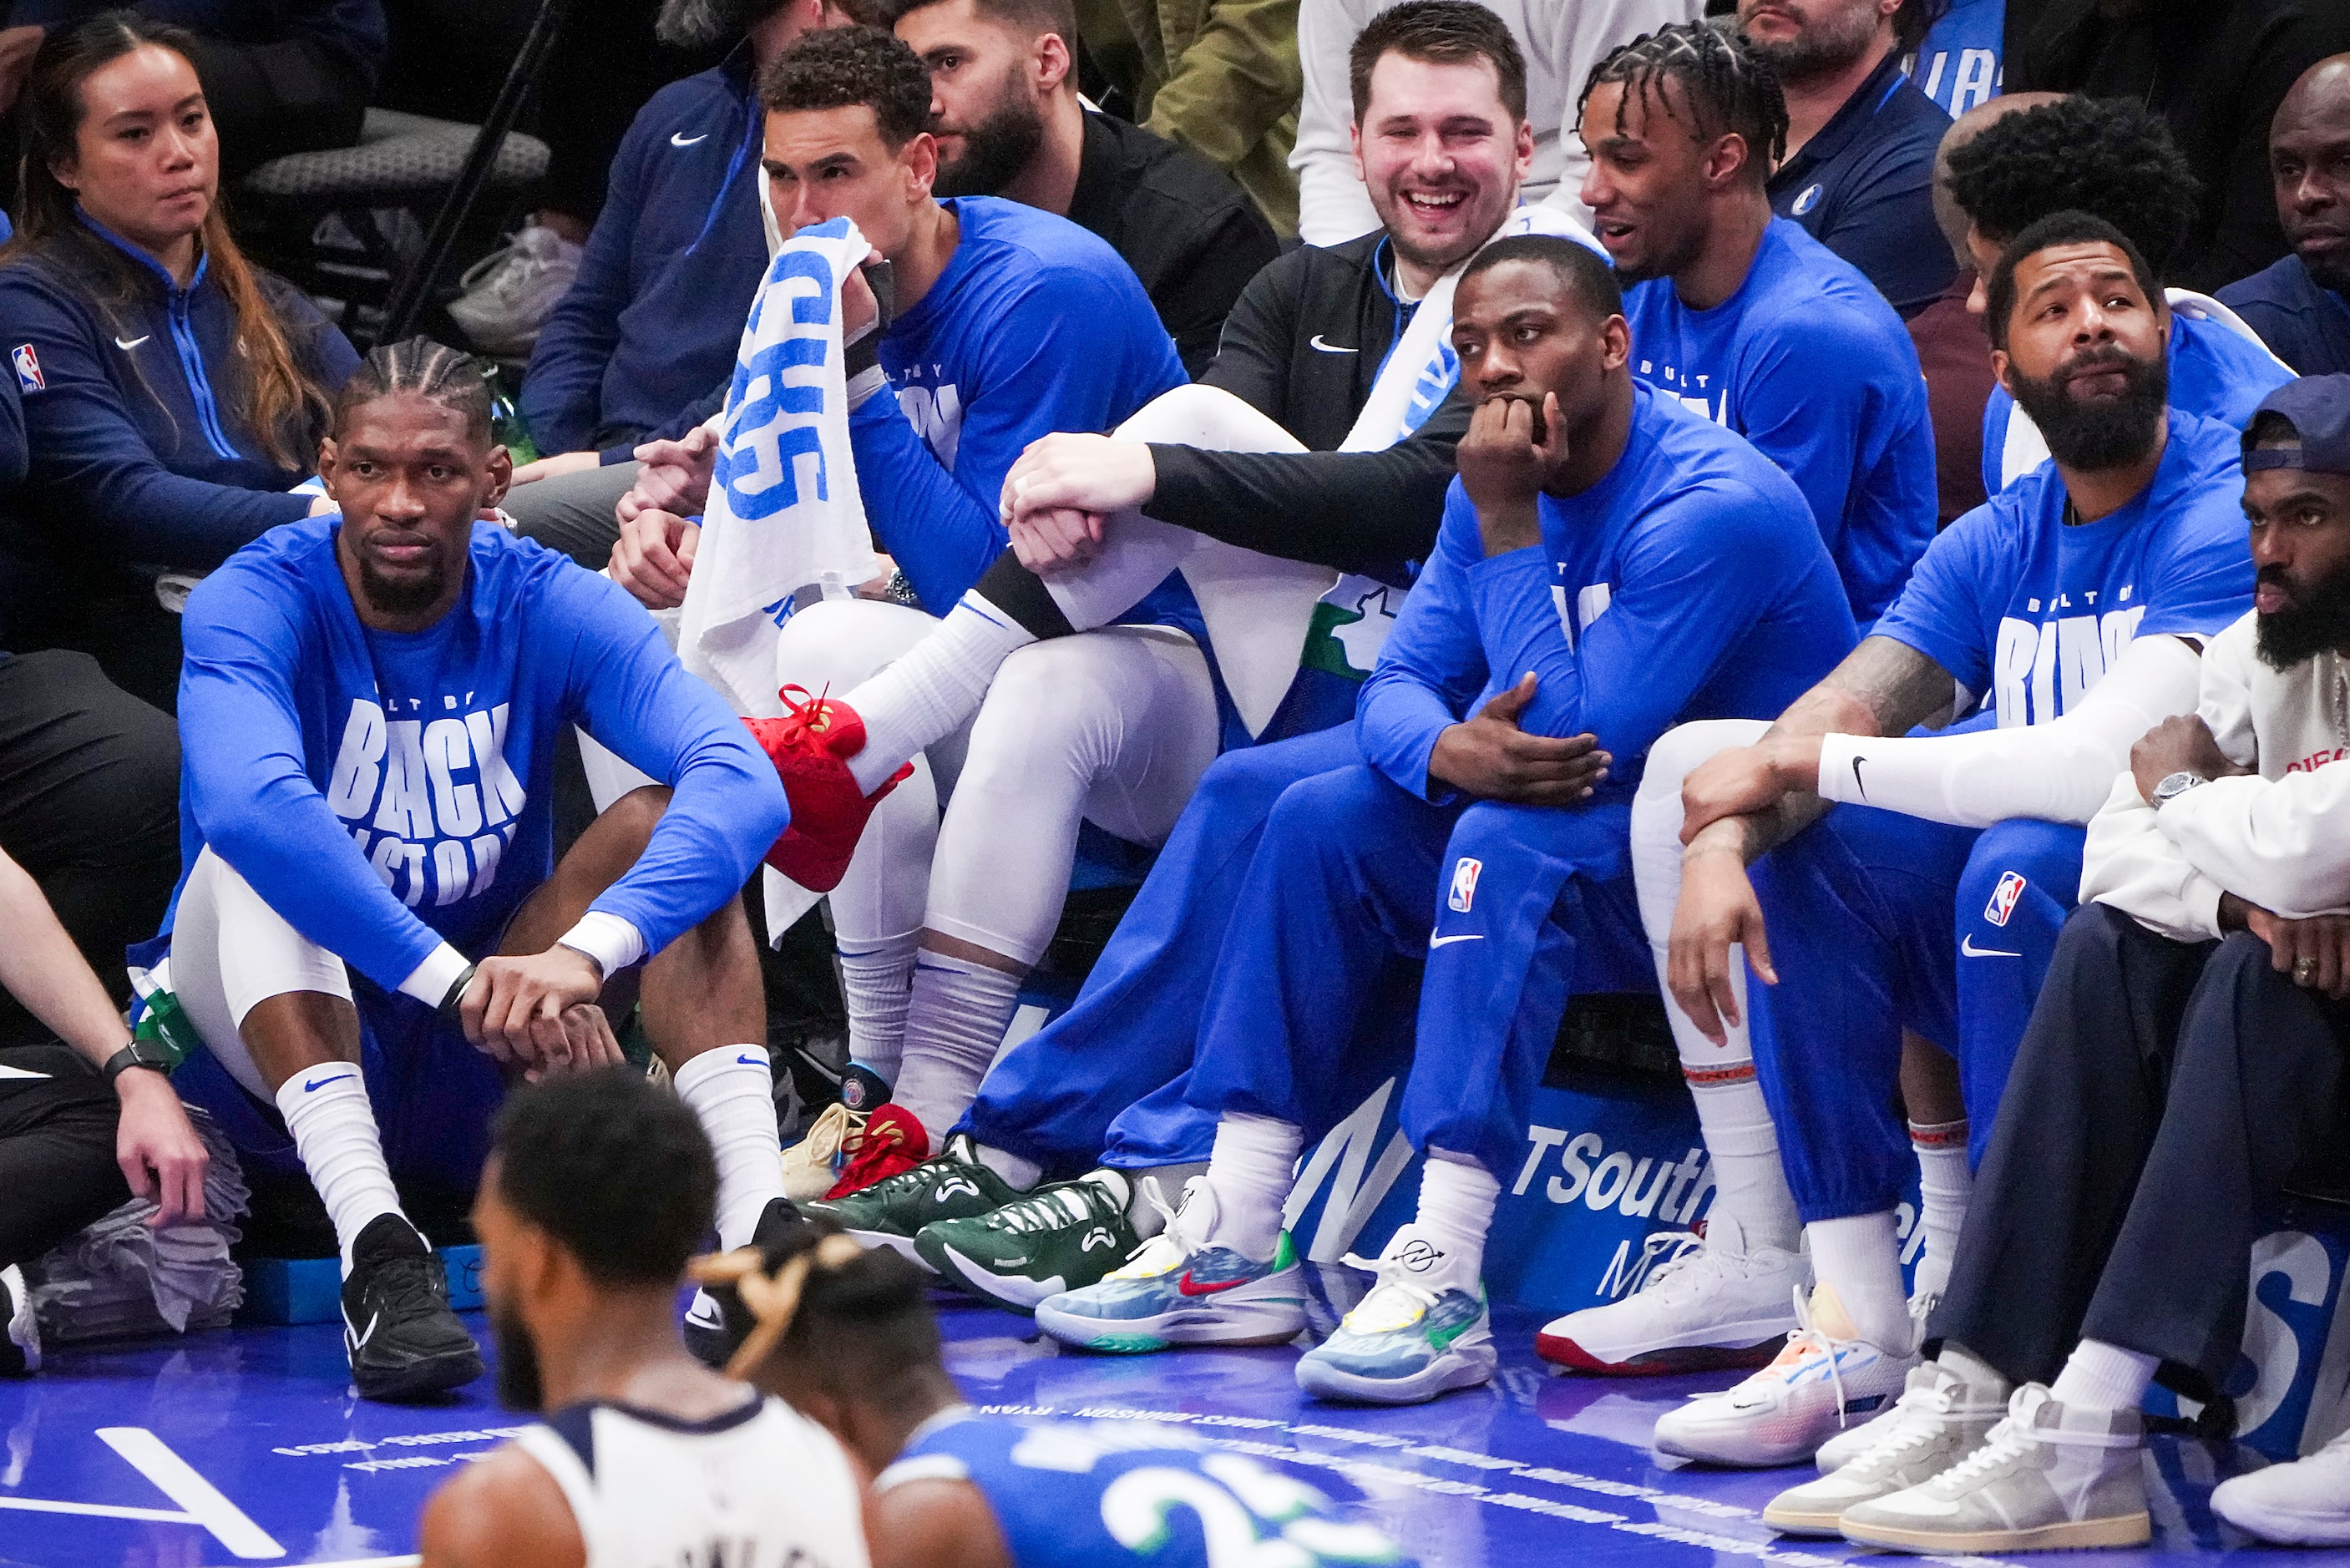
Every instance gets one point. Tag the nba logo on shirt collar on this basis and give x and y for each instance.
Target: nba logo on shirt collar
(2003, 897)
(1464, 883)
(1806, 201)
(28, 368)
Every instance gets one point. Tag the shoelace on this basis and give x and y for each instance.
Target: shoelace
(1687, 1266)
(1802, 1341)
(831, 1132)
(405, 1285)
(1166, 1251)
(1393, 1302)
(1905, 1433)
(2001, 1444)
(868, 1146)
(805, 717)
(1049, 1211)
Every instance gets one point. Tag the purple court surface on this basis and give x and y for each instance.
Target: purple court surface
(246, 1446)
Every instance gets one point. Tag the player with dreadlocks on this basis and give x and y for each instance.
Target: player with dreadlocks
(1750, 320)
(369, 714)
(2113, 160)
(846, 1336)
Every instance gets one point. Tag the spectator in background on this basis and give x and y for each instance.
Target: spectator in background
(1952, 346)
(2116, 161)
(643, 342)
(2215, 70)
(172, 392)
(1858, 173)
(282, 75)
(1956, 63)
(2300, 306)
(1561, 43)
(1004, 108)
(1219, 77)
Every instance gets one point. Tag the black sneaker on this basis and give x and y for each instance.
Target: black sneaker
(404, 1342)
(715, 1329)
(20, 1332)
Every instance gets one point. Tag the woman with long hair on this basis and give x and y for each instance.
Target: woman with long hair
(173, 393)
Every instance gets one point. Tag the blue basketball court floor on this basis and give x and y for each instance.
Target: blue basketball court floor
(246, 1446)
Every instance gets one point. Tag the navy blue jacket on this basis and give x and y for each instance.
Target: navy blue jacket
(352, 28)
(2304, 324)
(1864, 187)
(133, 413)
(652, 324)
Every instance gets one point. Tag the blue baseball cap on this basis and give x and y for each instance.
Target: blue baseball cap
(2318, 407)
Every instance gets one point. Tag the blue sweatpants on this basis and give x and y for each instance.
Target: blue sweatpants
(1514, 907)
(1879, 922)
(1121, 1053)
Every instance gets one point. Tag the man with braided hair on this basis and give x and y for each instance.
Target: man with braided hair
(847, 1338)
(369, 714)
(2113, 160)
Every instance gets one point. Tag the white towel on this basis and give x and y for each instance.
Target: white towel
(784, 516)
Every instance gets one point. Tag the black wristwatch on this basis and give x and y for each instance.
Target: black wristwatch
(137, 1054)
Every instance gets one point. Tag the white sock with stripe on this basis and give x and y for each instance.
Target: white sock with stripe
(327, 1111)
(731, 1093)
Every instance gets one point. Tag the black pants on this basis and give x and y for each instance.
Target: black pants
(89, 789)
(2162, 1093)
(56, 1150)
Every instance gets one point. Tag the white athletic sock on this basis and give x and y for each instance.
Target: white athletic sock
(1982, 1374)
(1456, 1207)
(2104, 1377)
(1945, 1182)
(927, 694)
(1016, 1171)
(1164, 1182)
(1251, 1172)
(954, 1028)
(327, 1111)
(1749, 1184)
(1860, 1258)
(731, 1093)
(877, 978)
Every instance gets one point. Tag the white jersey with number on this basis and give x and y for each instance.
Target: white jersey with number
(761, 1487)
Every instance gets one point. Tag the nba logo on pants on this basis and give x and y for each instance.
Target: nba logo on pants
(2003, 897)
(1464, 883)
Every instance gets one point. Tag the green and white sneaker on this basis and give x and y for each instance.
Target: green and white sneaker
(1180, 1290)
(1939, 1419)
(1058, 1238)
(891, 1213)
(2050, 1477)
(1422, 1330)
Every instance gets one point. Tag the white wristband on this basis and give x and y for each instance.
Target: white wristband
(430, 982)
(610, 940)
(865, 383)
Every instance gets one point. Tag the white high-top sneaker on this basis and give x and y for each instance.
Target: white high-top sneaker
(1724, 1304)
(1939, 1421)
(2049, 1477)
(1825, 1378)
(2304, 1503)
(1854, 1441)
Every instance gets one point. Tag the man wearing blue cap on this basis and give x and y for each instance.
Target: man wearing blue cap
(2185, 1059)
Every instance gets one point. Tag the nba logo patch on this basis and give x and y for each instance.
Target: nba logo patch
(2003, 897)
(28, 368)
(1464, 883)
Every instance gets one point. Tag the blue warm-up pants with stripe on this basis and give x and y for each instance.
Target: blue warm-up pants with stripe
(1878, 922)
(1514, 907)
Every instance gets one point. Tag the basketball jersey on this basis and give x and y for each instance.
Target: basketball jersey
(759, 1486)
(1103, 1494)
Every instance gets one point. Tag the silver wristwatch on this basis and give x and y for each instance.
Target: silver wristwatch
(2172, 785)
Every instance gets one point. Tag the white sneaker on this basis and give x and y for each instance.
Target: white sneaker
(1721, 1305)
(20, 1331)
(2304, 1503)
(1854, 1441)
(1826, 1375)
(507, 294)
(1422, 1330)
(2050, 1477)
(1939, 1421)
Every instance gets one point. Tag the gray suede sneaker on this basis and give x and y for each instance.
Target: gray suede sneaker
(1939, 1419)
(2050, 1477)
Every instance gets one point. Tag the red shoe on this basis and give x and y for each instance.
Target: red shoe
(828, 811)
(891, 1143)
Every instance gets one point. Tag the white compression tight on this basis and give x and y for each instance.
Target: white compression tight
(1750, 1188)
(1113, 727)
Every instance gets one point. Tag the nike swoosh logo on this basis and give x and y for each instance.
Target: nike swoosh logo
(1858, 788)
(360, 1341)
(750, 1060)
(677, 140)
(1330, 348)
(1186, 1287)
(1448, 941)
(1967, 946)
(310, 1083)
(134, 343)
